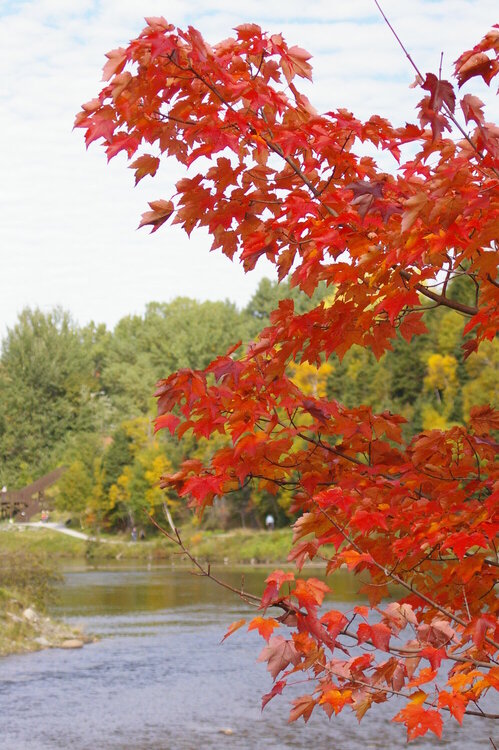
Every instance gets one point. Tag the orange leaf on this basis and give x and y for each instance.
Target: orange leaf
(232, 629)
(116, 63)
(419, 721)
(413, 207)
(161, 212)
(454, 702)
(353, 558)
(279, 653)
(145, 164)
(303, 706)
(425, 675)
(170, 421)
(264, 625)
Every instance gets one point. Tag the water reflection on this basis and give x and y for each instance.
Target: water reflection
(160, 680)
(115, 591)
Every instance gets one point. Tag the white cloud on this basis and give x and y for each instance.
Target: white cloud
(67, 234)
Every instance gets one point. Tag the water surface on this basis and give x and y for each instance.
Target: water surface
(159, 679)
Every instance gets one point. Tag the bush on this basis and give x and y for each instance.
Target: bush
(31, 574)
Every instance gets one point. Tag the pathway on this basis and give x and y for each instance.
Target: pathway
(62, 530)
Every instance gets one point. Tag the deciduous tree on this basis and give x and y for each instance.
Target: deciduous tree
(46, 373)
(277, 179)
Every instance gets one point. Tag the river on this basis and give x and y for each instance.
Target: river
(159, 678)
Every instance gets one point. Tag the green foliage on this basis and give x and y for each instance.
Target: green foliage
(116, 457)
(75, 487)
(170, 336)
(32, 575)
(83, 398)
(482, 377)
(270, 293)
(46, 378)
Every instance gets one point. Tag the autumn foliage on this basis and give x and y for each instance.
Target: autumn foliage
(276, 179)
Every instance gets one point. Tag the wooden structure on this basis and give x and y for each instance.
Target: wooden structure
(23, 504)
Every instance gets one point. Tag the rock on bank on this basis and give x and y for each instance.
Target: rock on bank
(24, 629)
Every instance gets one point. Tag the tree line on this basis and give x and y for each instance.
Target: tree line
(82, 396)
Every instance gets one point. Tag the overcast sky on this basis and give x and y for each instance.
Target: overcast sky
(68, 220)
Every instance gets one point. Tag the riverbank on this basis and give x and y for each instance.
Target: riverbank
(236, 547)
(23, 628)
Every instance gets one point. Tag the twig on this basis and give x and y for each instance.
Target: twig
(250, 599)
(406, 53)
(448, 112)
(391, 691)
(396, 578)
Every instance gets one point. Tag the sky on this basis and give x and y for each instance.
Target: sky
(68, 219)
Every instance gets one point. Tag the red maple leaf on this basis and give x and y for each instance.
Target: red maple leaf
(279, 654)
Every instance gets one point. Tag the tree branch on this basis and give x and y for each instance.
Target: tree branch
(396, 578)
(439, 298)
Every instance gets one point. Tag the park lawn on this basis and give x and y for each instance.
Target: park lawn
(237, 546)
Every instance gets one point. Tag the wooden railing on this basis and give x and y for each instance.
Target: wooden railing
(25, 503)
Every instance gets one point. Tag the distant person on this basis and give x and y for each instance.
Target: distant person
(142, 535)
(269, 522)
(134, 534)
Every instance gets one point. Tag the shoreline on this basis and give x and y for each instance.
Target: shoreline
(234, 547)
(25, 629)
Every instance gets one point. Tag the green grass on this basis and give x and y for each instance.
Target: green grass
(241, 546)
(15, 634)
(237, 546)
(60, 546)
(43, 540)
(27, 585)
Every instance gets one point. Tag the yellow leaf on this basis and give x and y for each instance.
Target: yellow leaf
(418, 698)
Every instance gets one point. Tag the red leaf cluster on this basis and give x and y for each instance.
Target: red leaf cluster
(288, 184)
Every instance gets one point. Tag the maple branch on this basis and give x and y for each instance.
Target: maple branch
(259, 66)
(404, 50)
(481, 714)
(326, 446)
(439, 298)
(447, 278)
(296, 169)
(396, 578)
(253, 600)
(466, 601)
(331, 177)
(448, 111)
(477, 459)
(392, 691)
(250, 599)
(163, 116)
(407, 653)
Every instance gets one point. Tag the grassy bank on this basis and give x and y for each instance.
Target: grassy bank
(233, 547)
(24, 628)
(28, 573)
(241, 546)
(62, 547)
(28, 581)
